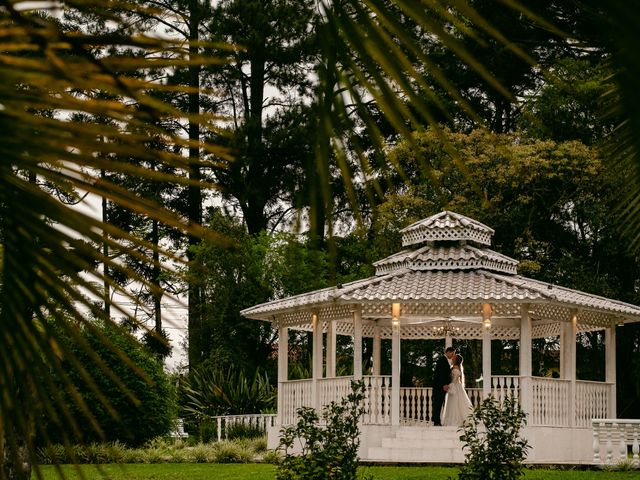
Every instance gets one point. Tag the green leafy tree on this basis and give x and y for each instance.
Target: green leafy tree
(263, 88)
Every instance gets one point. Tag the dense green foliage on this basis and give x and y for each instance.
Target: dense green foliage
(132, 404)
(493, 447)
(329, 442)
(210, 391)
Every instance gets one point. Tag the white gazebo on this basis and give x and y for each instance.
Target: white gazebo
(447, 283)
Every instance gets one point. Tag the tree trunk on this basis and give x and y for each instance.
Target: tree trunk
(194, 191)
(157, 294)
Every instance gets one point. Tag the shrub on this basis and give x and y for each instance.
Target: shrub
(147, 409)
(210, 391)
(229, 452)
(329, 451)
(272, 456)
(240, 430)
(494, 448)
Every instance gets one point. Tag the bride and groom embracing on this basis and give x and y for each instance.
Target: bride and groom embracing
(448, 389)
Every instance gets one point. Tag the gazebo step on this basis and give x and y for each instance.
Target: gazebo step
(415, 455)
(428, 433)
(421, 443)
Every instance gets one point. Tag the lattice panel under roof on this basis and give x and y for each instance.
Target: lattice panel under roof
(434, 330)
(448, 226)
(544, 330)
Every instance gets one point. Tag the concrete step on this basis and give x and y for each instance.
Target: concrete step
(415, 455)
(421, 443)
(428, 433)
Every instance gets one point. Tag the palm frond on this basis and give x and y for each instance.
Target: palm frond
(50, 251)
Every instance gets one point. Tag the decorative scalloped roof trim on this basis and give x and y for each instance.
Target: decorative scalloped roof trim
(447, 258)
(447, 225)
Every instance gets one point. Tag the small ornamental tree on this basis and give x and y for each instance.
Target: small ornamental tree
(329, 445)
(493, 447)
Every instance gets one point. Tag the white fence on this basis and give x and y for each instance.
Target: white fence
(295, 394)
(592, 401)
(416, 404)
(225, 423)
(377, 401)
(551, 402)
(616, 440)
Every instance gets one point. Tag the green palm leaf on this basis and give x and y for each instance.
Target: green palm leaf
(50, 250)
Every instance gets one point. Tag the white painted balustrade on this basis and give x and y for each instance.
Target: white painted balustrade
(505, 385)
(592, 401)
(377, 402)
(333, 389)
(415, 405)
(259, 421)
(295, 394)
(616, 440)
(550, 402)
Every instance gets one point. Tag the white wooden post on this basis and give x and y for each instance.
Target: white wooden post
(316, 360)
(568, 361)
(357, 343)
(526, 393)
(395, 371)
(610, 368)
(448, 340)
(331, 349)
(376, 349)
(486, 362)
(283, 368)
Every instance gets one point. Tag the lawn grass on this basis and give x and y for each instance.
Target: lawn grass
(253, 471)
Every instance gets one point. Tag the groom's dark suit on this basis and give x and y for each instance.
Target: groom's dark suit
(441, 377)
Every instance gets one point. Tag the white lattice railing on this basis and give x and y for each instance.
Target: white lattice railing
(504, 385)
(549, 402)
(616, 440)
(259, 421)
(592, 401)
(377, 402)
(295, 394)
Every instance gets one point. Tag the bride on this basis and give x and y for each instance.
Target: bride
(457, 404)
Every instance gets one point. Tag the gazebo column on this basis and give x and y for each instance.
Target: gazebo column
(357, 343)
(395, 364)
(331, 349)
(283, 368)
(376, 349)
(526, 392)
(316, 360)
(448, 340)
(486, 350)
(610, 368)
(568, 361)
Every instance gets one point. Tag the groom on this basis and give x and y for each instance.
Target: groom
(440, 384)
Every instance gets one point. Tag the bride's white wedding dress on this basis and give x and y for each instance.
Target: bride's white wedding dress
(457, 404)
